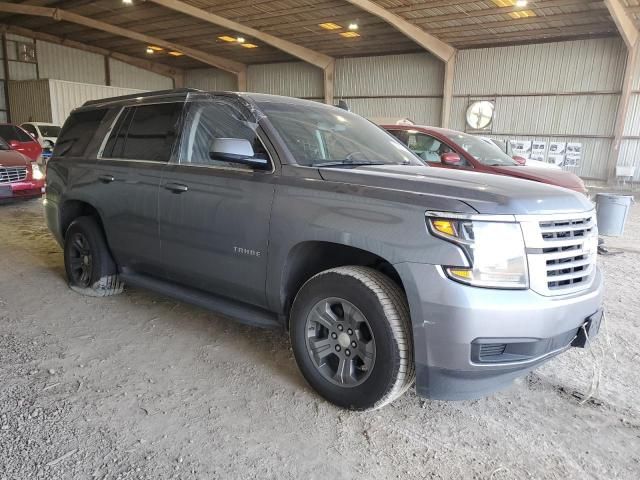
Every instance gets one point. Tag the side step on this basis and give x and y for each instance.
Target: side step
(241, 312)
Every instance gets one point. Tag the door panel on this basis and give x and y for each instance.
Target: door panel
(215, 234)
(214, 214)
(127, 191)
(129, 175)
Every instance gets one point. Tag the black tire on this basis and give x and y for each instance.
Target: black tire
(87, 261)
(386, 313)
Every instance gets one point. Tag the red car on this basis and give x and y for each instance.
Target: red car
(19, 176)
(21, 141)
(440, 147)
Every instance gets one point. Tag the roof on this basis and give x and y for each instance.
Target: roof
(134, 96)
(180, 93)
(463, 24)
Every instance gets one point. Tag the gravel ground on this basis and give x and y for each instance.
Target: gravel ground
(140, 386)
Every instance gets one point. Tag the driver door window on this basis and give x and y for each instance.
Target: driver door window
(207, 121)
(425, 146)
(430, 149)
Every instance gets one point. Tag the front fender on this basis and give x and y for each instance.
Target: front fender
(393, 230)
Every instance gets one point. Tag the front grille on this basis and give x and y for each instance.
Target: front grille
(562, 252)
(567, 265)
(12, 174)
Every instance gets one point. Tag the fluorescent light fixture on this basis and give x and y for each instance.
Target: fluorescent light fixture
(150, 50)
(227, 38)
(522, 14)
(175, 53)
(249, 45)
(521, 3)
(350, 34)
(329, 26)
(127, 2)
(240, 39)
(353, 26)
(156, 49)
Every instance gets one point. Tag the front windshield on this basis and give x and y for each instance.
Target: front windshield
(50, 130)
(323, 137)
(486, 153)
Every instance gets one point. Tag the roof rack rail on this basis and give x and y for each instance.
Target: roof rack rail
(156, 93)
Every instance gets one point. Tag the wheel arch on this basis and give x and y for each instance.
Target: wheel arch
(308, 258)
(72, 209)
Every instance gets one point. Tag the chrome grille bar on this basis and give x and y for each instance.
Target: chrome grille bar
(12, 174)
(562, 251)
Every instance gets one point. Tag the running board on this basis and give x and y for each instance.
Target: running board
(241, 312)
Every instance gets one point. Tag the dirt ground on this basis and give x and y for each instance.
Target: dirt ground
(139, 386)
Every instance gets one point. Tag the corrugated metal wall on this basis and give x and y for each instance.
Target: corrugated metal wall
(125, 75)
(30, 101)
(392, 86)
(566, 91)
(210, 79)
(630, 145)
(65, 96)
(60, 62)
(65, 63)
(52, 100)
(293, 79)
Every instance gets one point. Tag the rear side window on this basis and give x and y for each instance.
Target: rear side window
(146, 132)
(11, 132)
(77, 132)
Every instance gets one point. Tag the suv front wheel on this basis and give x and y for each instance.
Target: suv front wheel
(351, 337)
(87, 260)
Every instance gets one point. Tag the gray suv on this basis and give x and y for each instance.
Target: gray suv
(284, 212)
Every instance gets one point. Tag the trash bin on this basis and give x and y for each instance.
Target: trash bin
(612, 211)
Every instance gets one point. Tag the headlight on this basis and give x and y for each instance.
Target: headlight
(495, 250)
(37, 173)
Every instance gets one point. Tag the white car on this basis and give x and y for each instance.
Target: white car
(45, 133)
(505, 146)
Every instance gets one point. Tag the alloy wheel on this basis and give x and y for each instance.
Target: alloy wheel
(340, 342)
(80, 260)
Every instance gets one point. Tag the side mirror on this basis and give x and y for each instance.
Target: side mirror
(451, 158)
(520, 160)
(237, 150)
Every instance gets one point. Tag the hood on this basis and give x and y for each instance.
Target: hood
(11, 158)
(439, 188)
(545, 175)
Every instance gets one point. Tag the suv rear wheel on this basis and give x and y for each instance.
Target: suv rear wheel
(351, 337)
(87, 261)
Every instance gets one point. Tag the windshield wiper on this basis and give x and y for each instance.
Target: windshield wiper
(346, 163)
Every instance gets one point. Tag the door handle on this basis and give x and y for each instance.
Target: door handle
(106, 178)
(176, 187)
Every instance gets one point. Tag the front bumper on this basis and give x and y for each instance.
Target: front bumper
(25, 188)
(517, 329)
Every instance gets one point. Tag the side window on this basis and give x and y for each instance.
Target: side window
(146, 132)
(208, 120)
(30, 129)
(401, 135)
(77, 132)
(22, 136)
(427, 147)
(115, 143)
